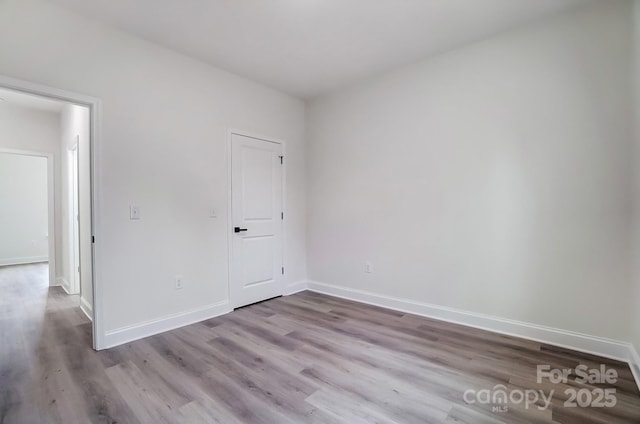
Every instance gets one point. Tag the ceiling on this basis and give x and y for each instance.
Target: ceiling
(29, 101)
(308, 47)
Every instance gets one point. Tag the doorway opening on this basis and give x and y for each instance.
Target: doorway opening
(47, 124)
(25, 210)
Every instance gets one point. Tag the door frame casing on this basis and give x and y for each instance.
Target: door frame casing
(95, 106)
(51, 196)
(72, 156)
(230, 133)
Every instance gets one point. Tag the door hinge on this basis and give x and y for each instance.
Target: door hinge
(282, 270)
(281, 215)
(281, 159)
(93, 239)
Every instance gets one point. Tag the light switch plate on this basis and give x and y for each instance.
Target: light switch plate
(134, 212)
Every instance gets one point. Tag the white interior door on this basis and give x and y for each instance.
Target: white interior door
(74, 210)
(256, 268)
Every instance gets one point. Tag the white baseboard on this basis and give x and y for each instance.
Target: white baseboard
(62, 282)
(634, 363)
(296, 287)
(139, 331)
(599, 346)
(86, 308)
(23, 260)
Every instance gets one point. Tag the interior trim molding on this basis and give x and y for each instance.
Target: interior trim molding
(296, 287)
(149, 328)
(62, 282)
(23, 260)
(634, 363)
(608, 348)
(86, 308)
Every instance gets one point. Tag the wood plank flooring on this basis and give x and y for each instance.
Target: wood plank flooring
(306, 358)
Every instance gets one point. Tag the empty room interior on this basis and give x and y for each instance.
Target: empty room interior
(416, 211)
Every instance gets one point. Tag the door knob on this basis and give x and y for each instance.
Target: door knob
(239, 230)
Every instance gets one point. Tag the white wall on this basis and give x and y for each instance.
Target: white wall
(635, 339)
(75, 129)
(494, 179)
(23, 209)
(38, 131)
(163, 148)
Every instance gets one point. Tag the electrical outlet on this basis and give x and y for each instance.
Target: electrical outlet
(179, 282)
(368, 268)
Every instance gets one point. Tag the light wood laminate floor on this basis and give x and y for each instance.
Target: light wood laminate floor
(306, 358)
